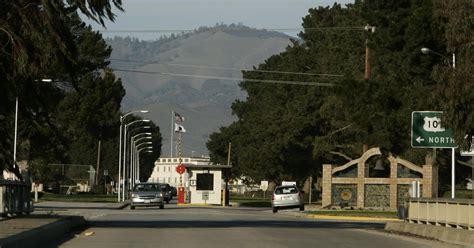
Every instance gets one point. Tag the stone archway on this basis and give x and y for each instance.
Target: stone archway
(349, 185)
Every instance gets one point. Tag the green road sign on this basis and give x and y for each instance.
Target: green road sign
(427, 132)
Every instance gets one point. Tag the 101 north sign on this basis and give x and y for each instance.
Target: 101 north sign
(427, 131)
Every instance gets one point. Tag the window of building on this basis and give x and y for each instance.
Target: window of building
(186, 160)
(157, 168)
(169, 160)
(205, 181)
(175, 160)
(175, 180)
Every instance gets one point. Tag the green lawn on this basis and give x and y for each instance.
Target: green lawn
(460, 194)
(358, 213)
(252, 202)
(78, 198)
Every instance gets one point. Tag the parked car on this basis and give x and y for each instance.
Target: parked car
(287, 197)
(174, 191)
(166, 189)
(147, 194)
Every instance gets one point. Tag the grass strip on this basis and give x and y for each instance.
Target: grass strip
(78, 198)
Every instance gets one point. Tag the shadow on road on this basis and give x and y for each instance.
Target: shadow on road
(232, 224)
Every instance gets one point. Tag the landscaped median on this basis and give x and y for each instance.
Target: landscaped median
(78, 197)
(356, 215)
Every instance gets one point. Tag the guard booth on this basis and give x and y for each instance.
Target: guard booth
(205, 183)
(201, 180)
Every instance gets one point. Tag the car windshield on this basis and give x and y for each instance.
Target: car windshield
(146, 187)
(286, 190)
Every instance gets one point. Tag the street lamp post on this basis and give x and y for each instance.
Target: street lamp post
(132, 146)
(136, 136)
(16, 122)
(122, 118)
(148, 149)
(16, 132)
(136, 160)
(426, 50)
(125, 153)
(133, 163)
(128, 178)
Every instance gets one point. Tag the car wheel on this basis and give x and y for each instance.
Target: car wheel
(275, 209)
(302, 208)
(162, 206)
(132, 207)
(167, 201)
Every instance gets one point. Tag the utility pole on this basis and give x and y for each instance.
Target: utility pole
(367, 52)
(224, 192)
(310, 188)
(98, 164)
(16, 132)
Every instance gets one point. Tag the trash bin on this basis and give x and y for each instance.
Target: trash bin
(402, 212)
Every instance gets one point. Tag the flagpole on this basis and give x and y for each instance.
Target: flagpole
(172, 131)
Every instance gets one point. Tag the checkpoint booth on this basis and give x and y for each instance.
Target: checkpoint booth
(198, 180)
(204, 183)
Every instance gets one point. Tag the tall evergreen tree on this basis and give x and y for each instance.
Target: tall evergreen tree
(38, 40)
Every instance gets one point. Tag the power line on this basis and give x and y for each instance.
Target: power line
(231, 69)
(228, 78)
(227, 29)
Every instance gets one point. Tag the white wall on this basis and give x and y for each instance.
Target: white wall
(214, 195)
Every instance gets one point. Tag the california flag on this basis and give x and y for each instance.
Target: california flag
(179, 128)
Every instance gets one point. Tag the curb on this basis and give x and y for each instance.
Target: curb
(124, 205)
(42, 235)
(353, 218)
(441, 233)
(197, 205)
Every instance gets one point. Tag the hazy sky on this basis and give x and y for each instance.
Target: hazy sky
(191, 14)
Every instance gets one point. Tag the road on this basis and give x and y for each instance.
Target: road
(177, 226)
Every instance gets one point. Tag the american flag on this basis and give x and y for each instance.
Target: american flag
(178, 117)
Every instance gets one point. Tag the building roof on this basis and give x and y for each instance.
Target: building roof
(210, 166)
(193, 162)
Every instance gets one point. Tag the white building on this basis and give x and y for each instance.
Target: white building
(165, 170)
(202, 179)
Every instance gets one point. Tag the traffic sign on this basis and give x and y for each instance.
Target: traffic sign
(427, 131)
(180, 169)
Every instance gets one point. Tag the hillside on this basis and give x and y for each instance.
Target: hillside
(205, 103)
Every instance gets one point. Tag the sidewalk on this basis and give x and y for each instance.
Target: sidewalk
(36, 230)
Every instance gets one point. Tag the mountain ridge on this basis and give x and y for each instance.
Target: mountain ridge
(205, 102)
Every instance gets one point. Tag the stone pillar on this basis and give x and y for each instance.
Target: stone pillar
(327, 185)
(434, 182)
(430, 181)
(393, 183)
(361, 183)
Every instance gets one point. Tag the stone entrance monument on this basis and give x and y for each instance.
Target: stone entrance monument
(376, 181)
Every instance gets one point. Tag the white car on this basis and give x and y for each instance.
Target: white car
(147, 194)
(287, 197)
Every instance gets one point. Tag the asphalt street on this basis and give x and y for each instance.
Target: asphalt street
(178, 226)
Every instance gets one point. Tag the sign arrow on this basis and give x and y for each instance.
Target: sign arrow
(419, 139)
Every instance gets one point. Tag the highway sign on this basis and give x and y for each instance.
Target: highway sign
(427, 131)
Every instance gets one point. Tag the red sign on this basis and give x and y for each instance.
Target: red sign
(180, 169)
